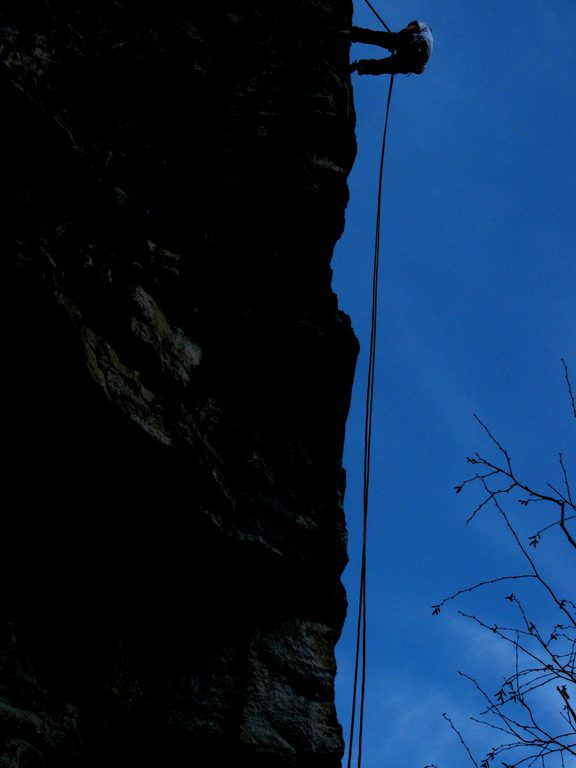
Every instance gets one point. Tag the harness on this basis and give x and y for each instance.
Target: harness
(413, 55)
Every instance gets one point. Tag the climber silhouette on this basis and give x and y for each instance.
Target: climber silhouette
(411, 48)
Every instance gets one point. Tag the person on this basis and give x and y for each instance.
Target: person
(411, 48)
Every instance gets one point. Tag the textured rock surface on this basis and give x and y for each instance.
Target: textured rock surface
(177, 381)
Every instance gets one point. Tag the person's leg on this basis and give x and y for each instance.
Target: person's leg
(373, 66)
(379, 37)
(392, 65)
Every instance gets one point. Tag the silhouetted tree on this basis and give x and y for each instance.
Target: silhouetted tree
(533, 709)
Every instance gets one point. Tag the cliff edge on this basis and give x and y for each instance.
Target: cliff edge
(178, 378)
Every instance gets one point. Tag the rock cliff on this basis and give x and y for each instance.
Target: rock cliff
(177, 379)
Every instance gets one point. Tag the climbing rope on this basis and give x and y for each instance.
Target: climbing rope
(358, 699)
(375, 12)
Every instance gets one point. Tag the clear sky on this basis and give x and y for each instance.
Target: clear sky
(477, 307)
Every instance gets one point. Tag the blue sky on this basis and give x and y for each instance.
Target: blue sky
(477, 306)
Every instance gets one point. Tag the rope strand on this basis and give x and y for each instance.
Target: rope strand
(361, 634)
(375, 12)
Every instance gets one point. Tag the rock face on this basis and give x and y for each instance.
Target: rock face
(177, 381)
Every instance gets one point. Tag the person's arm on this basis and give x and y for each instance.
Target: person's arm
(405, 35)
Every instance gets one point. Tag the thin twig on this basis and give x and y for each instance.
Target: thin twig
(569, 385)
(436, 608)
(457, 732)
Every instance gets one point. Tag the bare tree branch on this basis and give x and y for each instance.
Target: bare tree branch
(529, 732)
